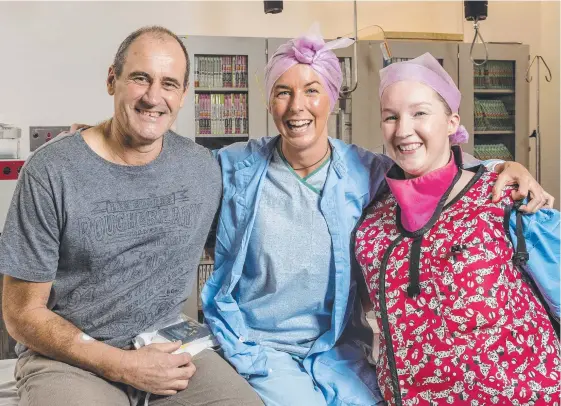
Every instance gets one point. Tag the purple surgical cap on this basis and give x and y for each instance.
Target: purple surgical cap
(309, 49)
(427, 70)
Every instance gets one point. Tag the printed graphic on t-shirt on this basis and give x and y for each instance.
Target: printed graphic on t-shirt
(112, 221)
(140, 249)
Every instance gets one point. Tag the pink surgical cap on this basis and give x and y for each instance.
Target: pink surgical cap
(427, 70)
(312, 50)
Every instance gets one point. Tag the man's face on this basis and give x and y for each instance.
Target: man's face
(149, 92)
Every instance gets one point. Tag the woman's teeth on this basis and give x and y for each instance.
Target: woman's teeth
(410, 147)
(298, 125)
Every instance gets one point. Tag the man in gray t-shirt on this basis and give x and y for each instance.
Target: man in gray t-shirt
(102, 242)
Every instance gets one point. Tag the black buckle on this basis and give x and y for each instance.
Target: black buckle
(457, 248)
(517, 204)
(520, 258)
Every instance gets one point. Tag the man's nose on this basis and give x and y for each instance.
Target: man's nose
(153, 94)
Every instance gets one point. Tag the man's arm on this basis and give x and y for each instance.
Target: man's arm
(514, 173)
(511, 173)
(30, 322)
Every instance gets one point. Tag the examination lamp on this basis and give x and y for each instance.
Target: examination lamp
(475, 10)
(273, 7)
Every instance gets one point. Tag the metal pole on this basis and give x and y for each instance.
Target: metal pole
(341, 124)
(355, 45)
(346, 93)
(538, 134)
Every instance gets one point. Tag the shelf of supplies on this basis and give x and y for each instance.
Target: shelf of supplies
(222, 136)
(220, 89)
(494, 91)
(494, 132)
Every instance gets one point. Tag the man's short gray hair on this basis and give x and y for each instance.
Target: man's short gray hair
(157, 32)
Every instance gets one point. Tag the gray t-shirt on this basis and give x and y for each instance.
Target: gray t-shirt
(121, 243)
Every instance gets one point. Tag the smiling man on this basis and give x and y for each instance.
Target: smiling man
(102, 242)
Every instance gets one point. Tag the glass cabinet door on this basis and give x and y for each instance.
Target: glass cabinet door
(494, 105)
(224, 102)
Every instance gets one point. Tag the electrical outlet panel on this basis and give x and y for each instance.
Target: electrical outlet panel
(41, 135)
(9, 170)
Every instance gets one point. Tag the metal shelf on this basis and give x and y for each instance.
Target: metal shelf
(220, 89)
(494, 132)
(494, 91)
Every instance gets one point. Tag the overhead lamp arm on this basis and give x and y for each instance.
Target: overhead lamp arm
(346, 93)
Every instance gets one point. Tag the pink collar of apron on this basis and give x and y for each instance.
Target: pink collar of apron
(418, 198)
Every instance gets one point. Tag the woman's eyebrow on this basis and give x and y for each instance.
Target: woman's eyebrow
(421, 104)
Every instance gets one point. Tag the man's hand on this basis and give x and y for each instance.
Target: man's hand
(156, 370)
(75, 127)
(511, 173)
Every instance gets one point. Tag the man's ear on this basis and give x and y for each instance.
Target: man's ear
(111, 79)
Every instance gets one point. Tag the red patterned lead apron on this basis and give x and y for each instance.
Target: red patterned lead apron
(475, 335)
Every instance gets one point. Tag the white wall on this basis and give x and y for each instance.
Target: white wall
(54, 55)
(550, 109)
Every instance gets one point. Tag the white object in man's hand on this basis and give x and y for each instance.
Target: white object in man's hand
(155, 369)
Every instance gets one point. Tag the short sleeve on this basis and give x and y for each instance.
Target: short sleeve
(29, 244)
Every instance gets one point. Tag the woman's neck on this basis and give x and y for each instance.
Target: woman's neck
(440, 163)
(420, 198)
(305, 161)
(458, 186)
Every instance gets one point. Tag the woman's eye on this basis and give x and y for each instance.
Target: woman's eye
(283, 93)
(420, 113)
(390, 118)
(311, 90)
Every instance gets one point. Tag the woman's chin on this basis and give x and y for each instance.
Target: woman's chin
(412, 170)
(300, 141)
(412, 165)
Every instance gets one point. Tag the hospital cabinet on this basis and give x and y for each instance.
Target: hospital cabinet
(495, 101)
(226, 101)
(226, 98)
